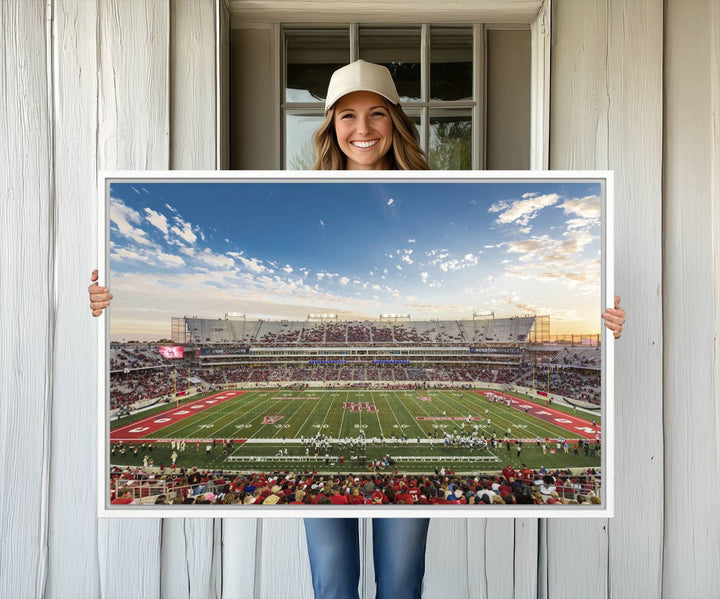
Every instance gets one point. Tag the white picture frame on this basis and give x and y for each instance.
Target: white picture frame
(604, 179)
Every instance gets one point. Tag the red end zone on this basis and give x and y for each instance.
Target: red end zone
(578, 426)
(152, 424)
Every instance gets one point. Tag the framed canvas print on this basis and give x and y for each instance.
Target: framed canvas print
(356, 344)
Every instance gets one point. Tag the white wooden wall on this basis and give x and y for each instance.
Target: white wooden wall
(132, 85)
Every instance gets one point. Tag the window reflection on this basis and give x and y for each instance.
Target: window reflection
(399, 51)
(299, 149)
(311, 57)
(450, 144)
(451, 63)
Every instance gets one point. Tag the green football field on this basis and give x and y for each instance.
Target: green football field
(266, 429)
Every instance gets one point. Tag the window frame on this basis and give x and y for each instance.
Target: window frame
(539, 26)
(476, 106)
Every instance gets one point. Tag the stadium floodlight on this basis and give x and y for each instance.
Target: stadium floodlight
(483, 315)
(234, 316)
(394, 317)
(323, 316)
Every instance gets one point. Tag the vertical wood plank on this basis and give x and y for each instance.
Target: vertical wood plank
(239, 558)
(578, 96)
(525, 559)
(73, 568)
(540, 89)
(577, 550)
(133, 127)
(222, 18)
(133, 130)
(282, 557)
(26, 306)
(446, 558)
(635, 89)
(607, 109)
(692, 306)
(192, 85)
(190, 567)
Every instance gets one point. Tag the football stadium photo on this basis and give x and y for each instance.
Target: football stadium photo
(376, 343)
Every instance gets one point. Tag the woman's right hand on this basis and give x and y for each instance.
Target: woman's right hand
(99, 296)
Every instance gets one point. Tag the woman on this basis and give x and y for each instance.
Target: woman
(365, 129)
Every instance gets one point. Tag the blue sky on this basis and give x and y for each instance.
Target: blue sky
(285, 250)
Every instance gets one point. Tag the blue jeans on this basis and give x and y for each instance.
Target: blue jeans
(398, 551)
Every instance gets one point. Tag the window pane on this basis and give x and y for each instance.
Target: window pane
(299, 149)
(451, 56)
(399, 51)
(311, 57)
(414, 114)
(450, 139)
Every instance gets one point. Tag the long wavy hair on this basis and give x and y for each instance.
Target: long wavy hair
(405, 153)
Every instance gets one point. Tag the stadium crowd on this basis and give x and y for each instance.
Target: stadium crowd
(128, 387)
(307, 333)
(509, 487)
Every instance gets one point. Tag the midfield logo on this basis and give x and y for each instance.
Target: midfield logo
(272, 418)
(359, 406)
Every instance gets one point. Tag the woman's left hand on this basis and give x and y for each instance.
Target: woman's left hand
(615, 318)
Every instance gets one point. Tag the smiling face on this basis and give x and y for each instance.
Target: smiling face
(364, 130)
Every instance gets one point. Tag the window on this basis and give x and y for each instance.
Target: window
(467, 87)
(434, 70)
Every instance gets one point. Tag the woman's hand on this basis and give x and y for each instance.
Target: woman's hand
(615, 318)
(99, 296)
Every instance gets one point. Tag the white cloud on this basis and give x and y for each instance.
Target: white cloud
(121, 254)
(216, 260)
(411, 241)
(588, 207)
(157, 220)
(522, 211)
(344, 280)
(252, 264)
(183, 230)
(548, 250)
(424, 277)
(390, 202)
(287, 268)
(123, 216)
(454, 263)
(584, 274)
(499, 206)
(169, 259)
(322, 223)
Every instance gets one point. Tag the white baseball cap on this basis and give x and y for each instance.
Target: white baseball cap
(361, 76)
